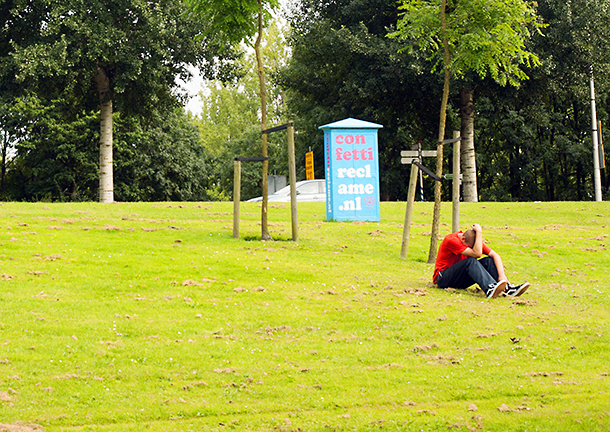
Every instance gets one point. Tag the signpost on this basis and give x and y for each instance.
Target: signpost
(414, 157)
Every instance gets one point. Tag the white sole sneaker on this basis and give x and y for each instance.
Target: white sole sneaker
(497, 290)
(517, 290)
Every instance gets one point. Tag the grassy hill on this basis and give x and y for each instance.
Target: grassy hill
(150, 316)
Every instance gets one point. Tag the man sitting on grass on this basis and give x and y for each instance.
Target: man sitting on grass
(458, 265)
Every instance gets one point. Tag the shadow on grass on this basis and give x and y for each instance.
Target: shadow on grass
(257, 237)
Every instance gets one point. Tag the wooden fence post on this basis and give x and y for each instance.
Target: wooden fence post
(236, 196)
(293, 175)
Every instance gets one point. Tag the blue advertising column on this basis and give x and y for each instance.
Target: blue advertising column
(352, 170)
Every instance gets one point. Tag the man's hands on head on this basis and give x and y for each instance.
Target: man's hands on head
(477, 247)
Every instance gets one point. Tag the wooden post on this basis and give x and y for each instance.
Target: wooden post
(293, 175)
(455, 221)
(406, 229)
(236, 196)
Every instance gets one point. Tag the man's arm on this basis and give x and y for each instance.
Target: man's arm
(476, 251)
(499, 265)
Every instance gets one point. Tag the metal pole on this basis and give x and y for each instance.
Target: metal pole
(406, 229)
(455, 221)
(600, 147)
(596, 174)
(293, 175)
(236, 196)
(421, 185)
(421, 175)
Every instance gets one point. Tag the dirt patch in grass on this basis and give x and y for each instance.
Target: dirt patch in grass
(20, 427)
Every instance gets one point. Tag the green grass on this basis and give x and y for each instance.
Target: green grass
(150, 316)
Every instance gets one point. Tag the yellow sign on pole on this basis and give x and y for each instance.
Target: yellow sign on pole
(309, 165)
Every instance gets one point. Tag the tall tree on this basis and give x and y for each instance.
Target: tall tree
(236, 22)
(487, 37)
(121, 55)
(229, 118)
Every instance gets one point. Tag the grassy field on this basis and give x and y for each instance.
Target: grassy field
(150, 316)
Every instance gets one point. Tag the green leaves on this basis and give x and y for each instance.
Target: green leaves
(577, 36)
(142, 47)
(161, 160)
(40, 61)
(230, 21)
(54, 146)
(50, 53)
(487, 37)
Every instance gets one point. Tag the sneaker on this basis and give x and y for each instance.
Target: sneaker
(496, 289)
(516, 290)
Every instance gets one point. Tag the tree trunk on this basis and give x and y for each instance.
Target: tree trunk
(441, 136)
(106, 189)
(579, 182)
(550, 172)
(5, 144)
(263, 93)
(469, 163)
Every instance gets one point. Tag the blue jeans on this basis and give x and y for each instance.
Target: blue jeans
(467, 272)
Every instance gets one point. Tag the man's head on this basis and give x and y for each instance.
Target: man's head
(469, 238)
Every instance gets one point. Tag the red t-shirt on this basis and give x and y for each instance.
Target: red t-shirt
(450, 252)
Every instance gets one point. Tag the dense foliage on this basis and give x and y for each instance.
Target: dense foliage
(156, 159)
(343, 65)
(532, 142)
(55, 57)
(140, 46)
